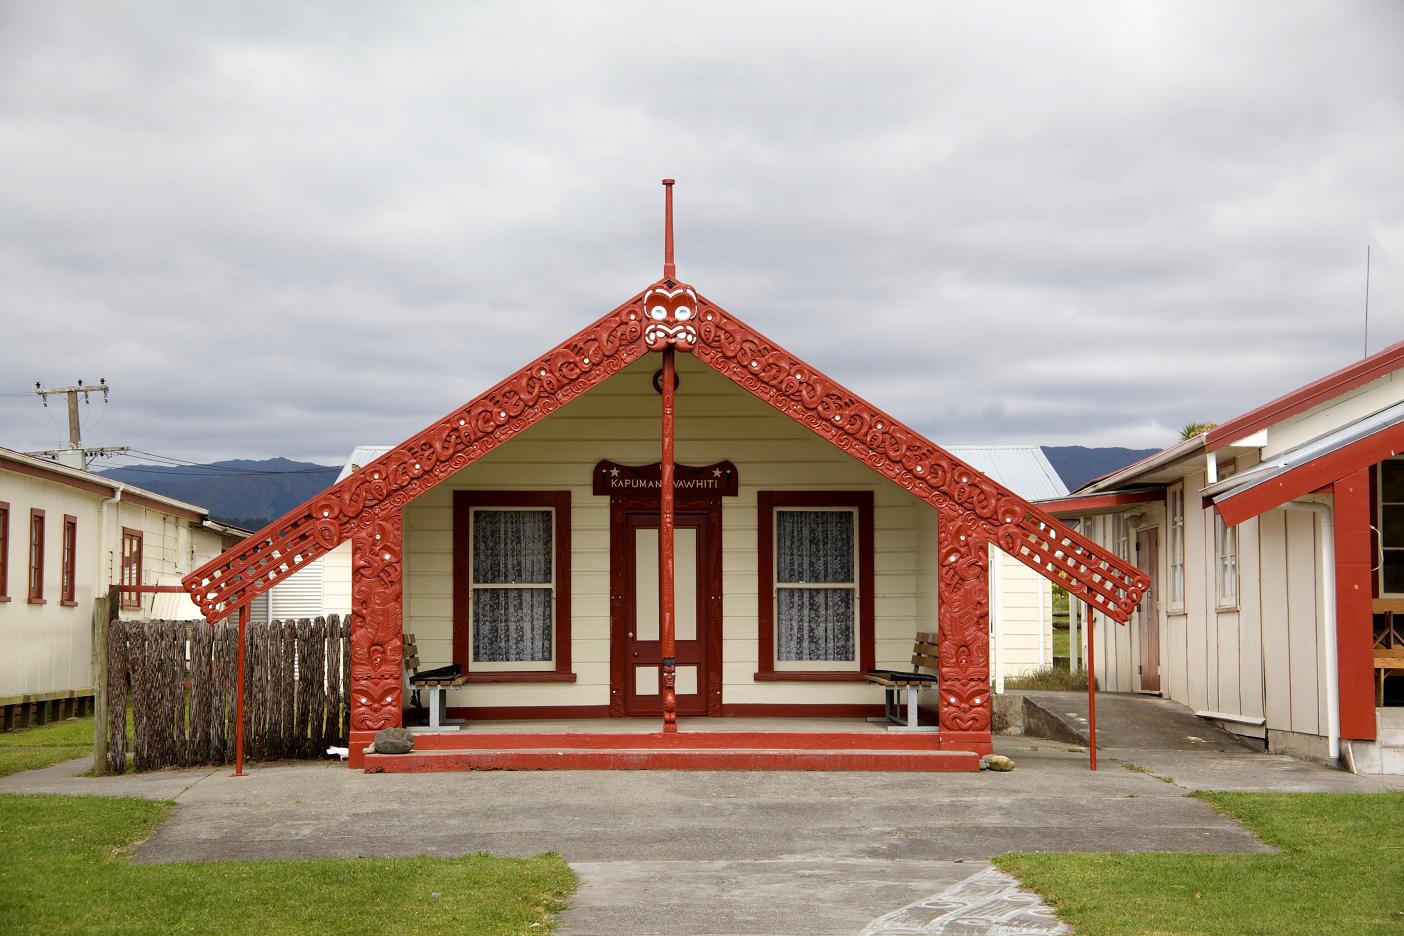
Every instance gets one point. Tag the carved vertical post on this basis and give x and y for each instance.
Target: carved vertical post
(964, 615)
(667, 629)
(376, 587)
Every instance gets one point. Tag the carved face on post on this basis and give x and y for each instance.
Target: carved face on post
(669, 310)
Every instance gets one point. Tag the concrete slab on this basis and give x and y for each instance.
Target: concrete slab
(715, 853)
(1131, 720)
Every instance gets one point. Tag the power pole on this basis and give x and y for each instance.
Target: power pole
(75, 456)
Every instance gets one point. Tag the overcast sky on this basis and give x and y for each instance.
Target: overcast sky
(284, 229)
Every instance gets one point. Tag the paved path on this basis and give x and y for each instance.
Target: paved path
(1141, 722)
(718, 853)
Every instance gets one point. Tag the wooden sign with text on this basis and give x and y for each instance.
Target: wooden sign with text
(717, 480)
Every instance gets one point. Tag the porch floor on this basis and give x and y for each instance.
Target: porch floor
(699, 744)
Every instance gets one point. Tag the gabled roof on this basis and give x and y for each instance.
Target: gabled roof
(1024, 469)
(48, 470)
(376, 494)
(1310, 396)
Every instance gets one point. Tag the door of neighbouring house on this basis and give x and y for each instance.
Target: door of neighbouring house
(1148, 623)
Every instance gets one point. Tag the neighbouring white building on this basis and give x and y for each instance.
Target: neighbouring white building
(1275, 543)
(66, 536)
(1021, 600)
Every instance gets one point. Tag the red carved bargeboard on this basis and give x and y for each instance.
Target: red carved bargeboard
(973, 510)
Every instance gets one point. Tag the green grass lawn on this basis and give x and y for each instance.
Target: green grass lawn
(1062, 640)
(75, 878)
(29, 748)
(1340, 870)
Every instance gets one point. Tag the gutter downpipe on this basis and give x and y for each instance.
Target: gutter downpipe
(1326, 517)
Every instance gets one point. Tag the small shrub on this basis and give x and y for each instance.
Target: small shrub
(1049, 678)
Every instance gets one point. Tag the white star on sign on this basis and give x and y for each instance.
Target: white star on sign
(614, 472)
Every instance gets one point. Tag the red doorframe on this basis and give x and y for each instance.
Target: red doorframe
(710, 584)
(1354, 608)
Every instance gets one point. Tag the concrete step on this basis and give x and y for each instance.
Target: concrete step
(1392, 760)
(555, 758)
(1391, 737)
(1391, 716)
(486, 739)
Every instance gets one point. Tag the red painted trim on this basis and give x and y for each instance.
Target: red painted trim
(35, 471)
(129, 597)
(979, 742)
(766, 504)
(522, 677)
(68, 562)
(36, 556)
(620, 608)
(1073, 506)
(1305, 478)
(463, 504)
(1355, 621)
(779, 738)
(4, 551)
(782, 676)
(548, 759)
(1304, 398)
(152, 589)
(146, 503)
(740, 354)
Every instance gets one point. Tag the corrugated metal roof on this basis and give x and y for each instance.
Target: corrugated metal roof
(360, 457)
(1024, 469)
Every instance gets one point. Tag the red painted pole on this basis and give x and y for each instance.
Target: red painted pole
(239, 697)
(670, 270)
(1091, 691)
(667, 634)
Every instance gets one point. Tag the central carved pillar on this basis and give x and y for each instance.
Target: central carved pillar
(964, 615)
(376, 623)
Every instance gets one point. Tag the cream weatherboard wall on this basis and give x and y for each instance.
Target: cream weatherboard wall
(619, 421)
(48, 646)
(1262, 657)
(1021, 609)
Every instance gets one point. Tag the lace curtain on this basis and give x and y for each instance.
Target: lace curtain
(814, 546)
(512, 547)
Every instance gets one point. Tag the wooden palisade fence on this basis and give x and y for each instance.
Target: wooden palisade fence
(178, 678)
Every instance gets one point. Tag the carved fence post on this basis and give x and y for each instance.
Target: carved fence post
(376, 583)
(964, 615)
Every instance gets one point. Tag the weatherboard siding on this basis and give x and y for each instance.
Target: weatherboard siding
(619, 421)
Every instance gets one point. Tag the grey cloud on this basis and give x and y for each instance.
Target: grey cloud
(282, 231)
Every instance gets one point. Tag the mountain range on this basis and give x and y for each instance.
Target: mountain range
(251, 494)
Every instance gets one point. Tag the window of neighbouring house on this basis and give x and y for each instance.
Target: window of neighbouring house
(36, 556)
(68, 584)
(1225, 557)
(1390, 524)
(816, 600)
(1121, 537)
(131, 567)
(512, 581)
(1175, 557)
(4, 551)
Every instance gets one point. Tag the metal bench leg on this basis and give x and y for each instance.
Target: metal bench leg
(889, 707)
(436, 695)
(913, 698)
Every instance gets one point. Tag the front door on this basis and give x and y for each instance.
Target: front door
(1148, 560)
(642, 644)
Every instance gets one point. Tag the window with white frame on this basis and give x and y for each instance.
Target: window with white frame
(1175, 559)
(1121, 537)
(513, 587)
(816, 588)
(1225, 557)
(1390, 527)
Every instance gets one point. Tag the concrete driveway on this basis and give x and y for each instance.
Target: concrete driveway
(718, 853)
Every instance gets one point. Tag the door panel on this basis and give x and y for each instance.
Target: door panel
(641, 643)
(1148, 620)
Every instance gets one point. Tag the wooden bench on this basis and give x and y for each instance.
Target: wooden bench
(924, 656)
(434, 682)
(1389, 644)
